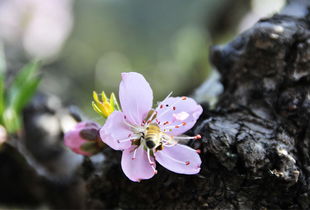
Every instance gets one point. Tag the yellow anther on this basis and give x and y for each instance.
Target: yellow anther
(105, 106)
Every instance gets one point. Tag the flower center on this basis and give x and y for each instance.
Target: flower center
(152, 139)
(151, 134)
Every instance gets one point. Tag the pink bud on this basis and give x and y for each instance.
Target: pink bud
(83, 138)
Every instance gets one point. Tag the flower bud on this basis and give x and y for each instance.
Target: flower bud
(84, 139)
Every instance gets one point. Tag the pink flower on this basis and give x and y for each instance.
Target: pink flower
(146, 135)
(84, 139)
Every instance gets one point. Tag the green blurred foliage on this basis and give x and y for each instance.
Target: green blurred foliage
(15, 96)
(23, 86)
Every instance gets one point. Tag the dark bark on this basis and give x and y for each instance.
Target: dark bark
(255, 145)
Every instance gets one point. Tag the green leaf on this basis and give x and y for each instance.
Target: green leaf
(11, 120)
(25, 94)
(26, 74)
(24, 86)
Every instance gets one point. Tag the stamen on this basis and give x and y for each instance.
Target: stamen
(169, 145)
(128, 124)
(151, 117)
(184, 98)
(181, 162)
(174, 126)
(134, 154)
(167, 97)
(127, 139)
(153, 167)
(133, 119)
(188, 137)
(198, 151)
(161, 106)
(167, 110)
(174, 108)
(169, 142)
(166, 123)
(149, 157)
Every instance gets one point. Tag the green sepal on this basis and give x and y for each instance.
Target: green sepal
(90, 147)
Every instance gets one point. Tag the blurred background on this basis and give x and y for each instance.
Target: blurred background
(85, 45)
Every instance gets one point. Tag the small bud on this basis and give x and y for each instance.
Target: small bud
(90, 134)
(84, 139)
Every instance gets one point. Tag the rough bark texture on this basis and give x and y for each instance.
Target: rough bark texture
(255, 145)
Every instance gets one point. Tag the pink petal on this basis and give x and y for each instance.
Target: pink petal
(138, 168)
(87, 124)
(74, 141)
(180, 159)
(115, 130)
(136, 97)
(181, 114)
